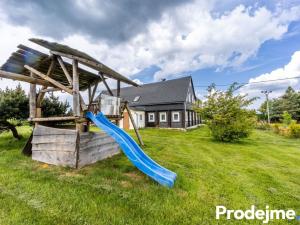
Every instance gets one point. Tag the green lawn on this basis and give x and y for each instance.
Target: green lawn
(264, 169)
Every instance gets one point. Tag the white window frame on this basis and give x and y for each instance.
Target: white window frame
(176, 113)
(149, 117)
(160, 114)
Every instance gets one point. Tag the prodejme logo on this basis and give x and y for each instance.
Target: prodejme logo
(256, 214)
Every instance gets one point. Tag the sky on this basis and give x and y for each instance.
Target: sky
(149, 40)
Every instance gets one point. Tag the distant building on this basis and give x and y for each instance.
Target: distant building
(167, 104)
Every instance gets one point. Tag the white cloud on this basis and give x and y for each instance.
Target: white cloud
(138, 81)
(290, 72)
(187, 38)
(10, 38)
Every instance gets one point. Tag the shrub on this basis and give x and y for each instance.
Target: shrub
(227, 115)
(286, 118)
(276, 128)
(261, 125)
(294, 130)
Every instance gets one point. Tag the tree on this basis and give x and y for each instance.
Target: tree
(13, 105)
(226, 114)
(289, 102)
(52, 106)
(286, 118)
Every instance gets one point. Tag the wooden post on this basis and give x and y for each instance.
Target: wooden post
(89, 106)
(76, 97)
(134, 125)
(118, 95)
(118, 88)
(32, 99)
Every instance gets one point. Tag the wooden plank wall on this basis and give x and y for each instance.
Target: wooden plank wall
(65, 147)
(95, 147)
(54, 146)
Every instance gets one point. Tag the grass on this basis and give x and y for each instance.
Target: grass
(262, 170)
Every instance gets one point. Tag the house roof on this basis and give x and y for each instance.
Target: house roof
(169, 91)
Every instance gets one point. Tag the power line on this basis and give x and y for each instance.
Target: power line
(255, 82)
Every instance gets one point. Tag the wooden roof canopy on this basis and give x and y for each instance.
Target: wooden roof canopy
(15, 66)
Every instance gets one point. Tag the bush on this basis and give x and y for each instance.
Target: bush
(227, 115)
(286, 118)
(276, 128)
(261, 125)
(294, 130)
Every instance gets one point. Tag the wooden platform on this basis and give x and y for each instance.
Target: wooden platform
(65, 147)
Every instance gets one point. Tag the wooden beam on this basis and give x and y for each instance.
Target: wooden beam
(76, 96)
(52, 89)
(89, 93)
(51, 67)
(106, 85)
(134, 125)
(62, 65)
(118, 88)
(97, 66)
(32, 99)
(93, 95)
(82, 103)
(20, 77)
(52, 81)
(60, 118)
(41, 95)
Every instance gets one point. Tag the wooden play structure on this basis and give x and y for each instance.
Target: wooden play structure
(60, 71)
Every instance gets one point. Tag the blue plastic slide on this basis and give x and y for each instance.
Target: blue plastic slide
(132, 150)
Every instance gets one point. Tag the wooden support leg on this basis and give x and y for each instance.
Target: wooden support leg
(38, 114)
(39, 100)
(134, 125)
(76, 97)
(32, 99)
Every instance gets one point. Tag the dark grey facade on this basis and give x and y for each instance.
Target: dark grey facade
(167, 104)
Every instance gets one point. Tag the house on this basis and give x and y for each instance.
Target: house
(166, 104)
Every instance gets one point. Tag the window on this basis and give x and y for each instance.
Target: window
(151, 117)
(137, 98)
(141, 117)
(162, 117)
(175, 116)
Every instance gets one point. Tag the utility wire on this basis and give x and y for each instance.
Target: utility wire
(255, 82)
